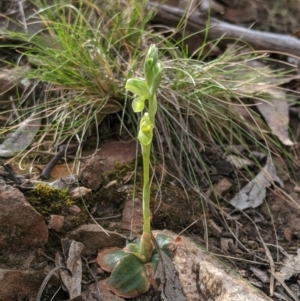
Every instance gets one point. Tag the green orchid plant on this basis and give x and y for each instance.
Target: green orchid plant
(133, 267)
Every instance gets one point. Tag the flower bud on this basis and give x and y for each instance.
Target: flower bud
(151, 66)
(156, 80)
(153, 53)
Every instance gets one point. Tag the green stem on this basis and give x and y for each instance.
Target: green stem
(146, 189)
(146, 242)
(146, 165)
(152, 108)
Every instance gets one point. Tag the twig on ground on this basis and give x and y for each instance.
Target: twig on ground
(63, 150)
(97, 294)
(215, 29)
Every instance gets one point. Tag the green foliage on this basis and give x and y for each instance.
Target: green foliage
(129, 284)
(81, 59)
(86, 52)
(129, 275)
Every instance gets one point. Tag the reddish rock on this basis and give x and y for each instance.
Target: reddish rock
(105, 160)
(56, 222)
(90, 175)
(22, 285)
(22, 227)
(116, 152)
(94, 239)
(132, 217)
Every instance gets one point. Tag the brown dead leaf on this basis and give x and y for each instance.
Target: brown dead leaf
(219, 189)
(213, 228)
(273, 106)
(173, 3)
(238, 162)
(74, 210)
(296, 33)
(297, 188)
(191, 5)
(78, 298)
(260, 274)
(246, 12)
(59, 171)
(72, 280)
(249, 121)
(287, 232)
(13, 78)
(226, 244)
(270, 100)
(290, 267)
(253, 194)
(222, 187)
(195, 42)
(56, 222)
(276, 113)
(78, 192)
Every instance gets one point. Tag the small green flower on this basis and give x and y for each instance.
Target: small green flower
(146, 130)
(138, 87)
(138, 104)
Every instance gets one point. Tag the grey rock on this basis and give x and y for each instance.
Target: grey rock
(204, 278)
(22, 137)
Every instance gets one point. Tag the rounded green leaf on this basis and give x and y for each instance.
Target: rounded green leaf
(129, 278)
(109, 257)
(167, 244)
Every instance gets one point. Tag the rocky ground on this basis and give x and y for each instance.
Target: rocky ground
(39, 225)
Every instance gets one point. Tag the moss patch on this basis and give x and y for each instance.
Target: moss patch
(48, 200)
